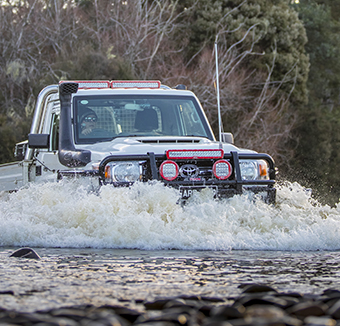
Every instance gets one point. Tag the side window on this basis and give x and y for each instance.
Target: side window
(54, 132)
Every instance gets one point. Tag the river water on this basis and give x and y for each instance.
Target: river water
(123, 246)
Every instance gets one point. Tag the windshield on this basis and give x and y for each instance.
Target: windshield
(102, 118)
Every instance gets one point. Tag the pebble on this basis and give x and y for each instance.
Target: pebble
(258, 305)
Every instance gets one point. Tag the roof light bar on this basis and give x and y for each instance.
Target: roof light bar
(136, 84)
(194, 154)
(87, 84)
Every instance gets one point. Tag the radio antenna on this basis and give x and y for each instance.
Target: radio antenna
(218, 97)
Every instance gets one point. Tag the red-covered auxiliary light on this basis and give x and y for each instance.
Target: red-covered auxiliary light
(169, 170)
(194, 154)
(222, 169)
(135, 84)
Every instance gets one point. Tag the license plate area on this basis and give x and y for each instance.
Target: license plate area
(187, 191)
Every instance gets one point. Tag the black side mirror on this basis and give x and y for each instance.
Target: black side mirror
(38, 140)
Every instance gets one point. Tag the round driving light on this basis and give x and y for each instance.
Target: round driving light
(222, 169)
(169, 170)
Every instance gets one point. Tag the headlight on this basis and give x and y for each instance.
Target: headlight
(123, 172)
(254, 170)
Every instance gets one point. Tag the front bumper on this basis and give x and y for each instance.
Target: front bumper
(234, 185)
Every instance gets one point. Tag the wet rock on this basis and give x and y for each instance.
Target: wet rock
(16, 318)
(290, 300)
(177, 317)
(295, 295)
(228, 312)
(212, 299)
(263, 308)
(291, 321)
(319, 321)
(190, 297)
(330, 297)
(156, 304)
(256, 322)
(262, 300)
(334, 310)
(130, 315)
(25, 253)
(256, 288)
(331, 292)
(311, 297)
(264, 311)
(305, 309)
(75, 314)
(176, 303)
(206, 309)
(158, 323)
(6, 293)
(105, 317)
(216, 323)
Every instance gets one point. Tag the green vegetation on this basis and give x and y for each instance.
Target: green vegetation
(317, 132)
(279, 67)
(263, 68)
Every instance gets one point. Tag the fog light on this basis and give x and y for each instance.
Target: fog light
(169, 170)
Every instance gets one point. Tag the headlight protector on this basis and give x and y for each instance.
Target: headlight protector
(254, 170)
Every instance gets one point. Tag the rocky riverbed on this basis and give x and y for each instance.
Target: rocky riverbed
(258, 304)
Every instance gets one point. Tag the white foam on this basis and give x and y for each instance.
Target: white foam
(148, 217)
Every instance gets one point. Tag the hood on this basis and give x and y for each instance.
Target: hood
(157, 145)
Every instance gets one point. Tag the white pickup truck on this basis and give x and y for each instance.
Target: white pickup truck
(121, 132)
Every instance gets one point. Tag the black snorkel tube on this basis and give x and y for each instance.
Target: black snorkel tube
(68, 154)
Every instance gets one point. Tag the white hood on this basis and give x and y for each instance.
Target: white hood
(158, 145)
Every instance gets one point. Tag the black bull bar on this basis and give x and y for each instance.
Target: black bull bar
(226, 188)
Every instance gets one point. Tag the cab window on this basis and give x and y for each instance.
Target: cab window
(54, 141)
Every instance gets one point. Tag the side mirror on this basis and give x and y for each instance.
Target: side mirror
(227, 137)
(38, 140)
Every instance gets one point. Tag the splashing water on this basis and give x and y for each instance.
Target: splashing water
(147, 217)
